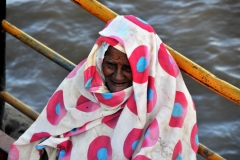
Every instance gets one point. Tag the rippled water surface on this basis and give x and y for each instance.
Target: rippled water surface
(205, 32)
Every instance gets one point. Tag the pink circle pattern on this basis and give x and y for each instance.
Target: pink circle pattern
(111, 99)
(131, 104)
(100, 148)
(194, 138)
(131, 142)
(111, 120)
(14, 153)
(76, 131)
(110, 41)
(177, 152)
(152, 94)
(91, 78)
(139, 62)
(167, 62)
(141, 157)
(55, 108)
(139, 22)
(65, 150)
(85, 105)
(38, 136)
(179, 110)
(151, 135)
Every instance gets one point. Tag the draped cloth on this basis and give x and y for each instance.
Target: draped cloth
(155, 118)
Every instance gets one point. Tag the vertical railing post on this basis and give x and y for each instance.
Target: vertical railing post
(2, 58)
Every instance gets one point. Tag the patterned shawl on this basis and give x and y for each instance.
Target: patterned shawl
(155, 118)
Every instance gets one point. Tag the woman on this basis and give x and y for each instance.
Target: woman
(126, 101)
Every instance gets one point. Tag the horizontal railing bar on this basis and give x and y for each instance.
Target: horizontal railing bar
(38, 46)
(208, 154)
(19, 105)
(189, 67)
(97, 9)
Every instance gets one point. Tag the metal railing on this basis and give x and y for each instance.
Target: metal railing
(190, 68)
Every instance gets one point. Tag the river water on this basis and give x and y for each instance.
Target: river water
(207, 32)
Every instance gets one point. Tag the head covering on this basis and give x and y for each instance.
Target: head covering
(155, 118)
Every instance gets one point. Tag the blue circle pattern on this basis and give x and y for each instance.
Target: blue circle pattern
(58, 108)
(147, 133)
(40, 147)
(177, 110)
(142, 64)
(134, 97)
(142, 20)
(107, 95)
(122, 30)
(88, 83)
(149, 94)
(61, 154)
(74, 130)
(179, 157)
(102, 154)
(134, 144)
(196, 139)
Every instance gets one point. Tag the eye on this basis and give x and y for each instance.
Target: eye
(110, 65)
(127, 68)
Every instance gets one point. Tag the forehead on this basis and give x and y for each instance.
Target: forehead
(115, 55)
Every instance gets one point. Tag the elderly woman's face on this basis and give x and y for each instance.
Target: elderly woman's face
(116, 69)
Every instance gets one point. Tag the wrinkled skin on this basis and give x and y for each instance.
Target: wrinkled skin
(116, 69)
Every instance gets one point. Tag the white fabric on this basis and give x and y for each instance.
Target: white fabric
(155, 118)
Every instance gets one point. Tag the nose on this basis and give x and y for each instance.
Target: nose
(118, 75)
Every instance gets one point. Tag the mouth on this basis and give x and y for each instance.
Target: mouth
(117, 86)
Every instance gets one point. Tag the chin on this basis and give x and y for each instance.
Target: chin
(116, 89)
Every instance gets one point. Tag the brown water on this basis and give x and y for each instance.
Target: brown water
(205, 32)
